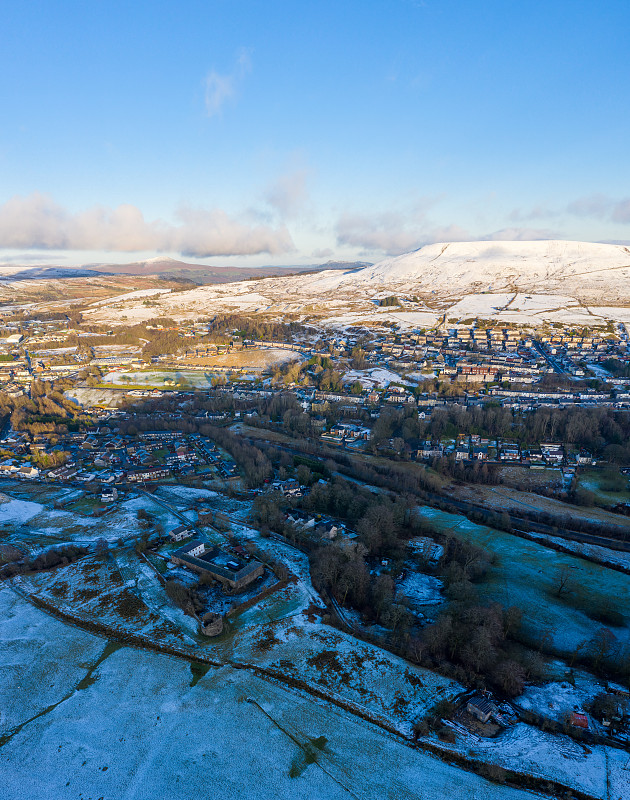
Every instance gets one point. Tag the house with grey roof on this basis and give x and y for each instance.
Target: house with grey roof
(233, 572)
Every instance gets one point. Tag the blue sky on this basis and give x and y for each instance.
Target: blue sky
(242, 132)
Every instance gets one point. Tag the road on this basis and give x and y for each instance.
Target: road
(553, 362)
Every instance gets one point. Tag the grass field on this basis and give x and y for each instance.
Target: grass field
(526, 574)
(608, 486)
(100, 721)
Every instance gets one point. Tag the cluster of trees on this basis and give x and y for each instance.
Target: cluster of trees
(475, 644)
(49, 460)
(54, 557)
(252, 461)
(618, 368)
(253, 328)
(185, 597)
(390, 301)
(46, 411)
(318, 371)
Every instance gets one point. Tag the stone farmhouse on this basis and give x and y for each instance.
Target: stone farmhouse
(234, 573)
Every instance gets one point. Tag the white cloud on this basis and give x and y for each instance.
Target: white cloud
(222, 87)
(537, 212)
(36, 221)
(594, 205)
(621, 211)
(325, 252)
(289, 194)
(601, 206)
(394, 233)
(390, 232)
(521, 235)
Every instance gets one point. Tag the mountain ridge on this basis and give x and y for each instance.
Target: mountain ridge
(576, 268)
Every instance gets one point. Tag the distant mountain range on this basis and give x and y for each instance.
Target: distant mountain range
(553, 281)
(165, 268)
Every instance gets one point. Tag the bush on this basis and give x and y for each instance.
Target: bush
(421, 728)
(446, 734)
(493, 772)
(509, 676)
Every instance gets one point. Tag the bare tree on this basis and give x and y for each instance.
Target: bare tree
(509, 676)
(564, 582)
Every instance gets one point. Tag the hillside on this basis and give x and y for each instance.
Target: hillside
(519, 282)
(583, 270)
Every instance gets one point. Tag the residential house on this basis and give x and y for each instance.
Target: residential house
(180, 533)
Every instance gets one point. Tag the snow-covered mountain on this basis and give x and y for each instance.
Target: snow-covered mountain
(585, 270)
(511, 281)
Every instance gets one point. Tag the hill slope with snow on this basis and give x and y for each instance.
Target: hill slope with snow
(554, 281)
(585, 270)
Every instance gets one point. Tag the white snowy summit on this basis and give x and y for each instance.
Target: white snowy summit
(585, 270)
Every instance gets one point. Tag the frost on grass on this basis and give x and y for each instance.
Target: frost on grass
(40, 657)
(383, 685)
(146, 727)
(97, 591)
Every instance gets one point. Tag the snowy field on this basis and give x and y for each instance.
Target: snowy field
(184, 496)
(121, 594)
(555, 699)
(533, 309)
(595, 769)
(40, 657)
(375, 378)
(374, 681)
(34, 522)
(88, 398)
(420, 589)
(142, 726)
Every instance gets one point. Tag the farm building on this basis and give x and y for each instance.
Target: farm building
(481, 708)
(180, 533)
(231, 571)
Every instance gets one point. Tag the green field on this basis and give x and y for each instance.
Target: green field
(526, 574)
(608, 486)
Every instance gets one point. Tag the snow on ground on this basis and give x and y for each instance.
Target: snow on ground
(420, 589)
(148, 587)
(379, 683)
(464, 267)
(120, 521)
(143, 728)
(340, 298)
(478, 305)
(40, 659)
(545, 755)
(380, 316)
(108, 398)
(420, 376)
(183, 496)
(556, 699)
(138, 294)
(375, 378)
(19, 512)
(616, 313)
(602, 554)
(534, 309)
(111, 593)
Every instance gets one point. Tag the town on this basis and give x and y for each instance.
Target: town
(455, 500)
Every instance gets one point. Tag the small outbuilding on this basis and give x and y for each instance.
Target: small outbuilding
(481, 708)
